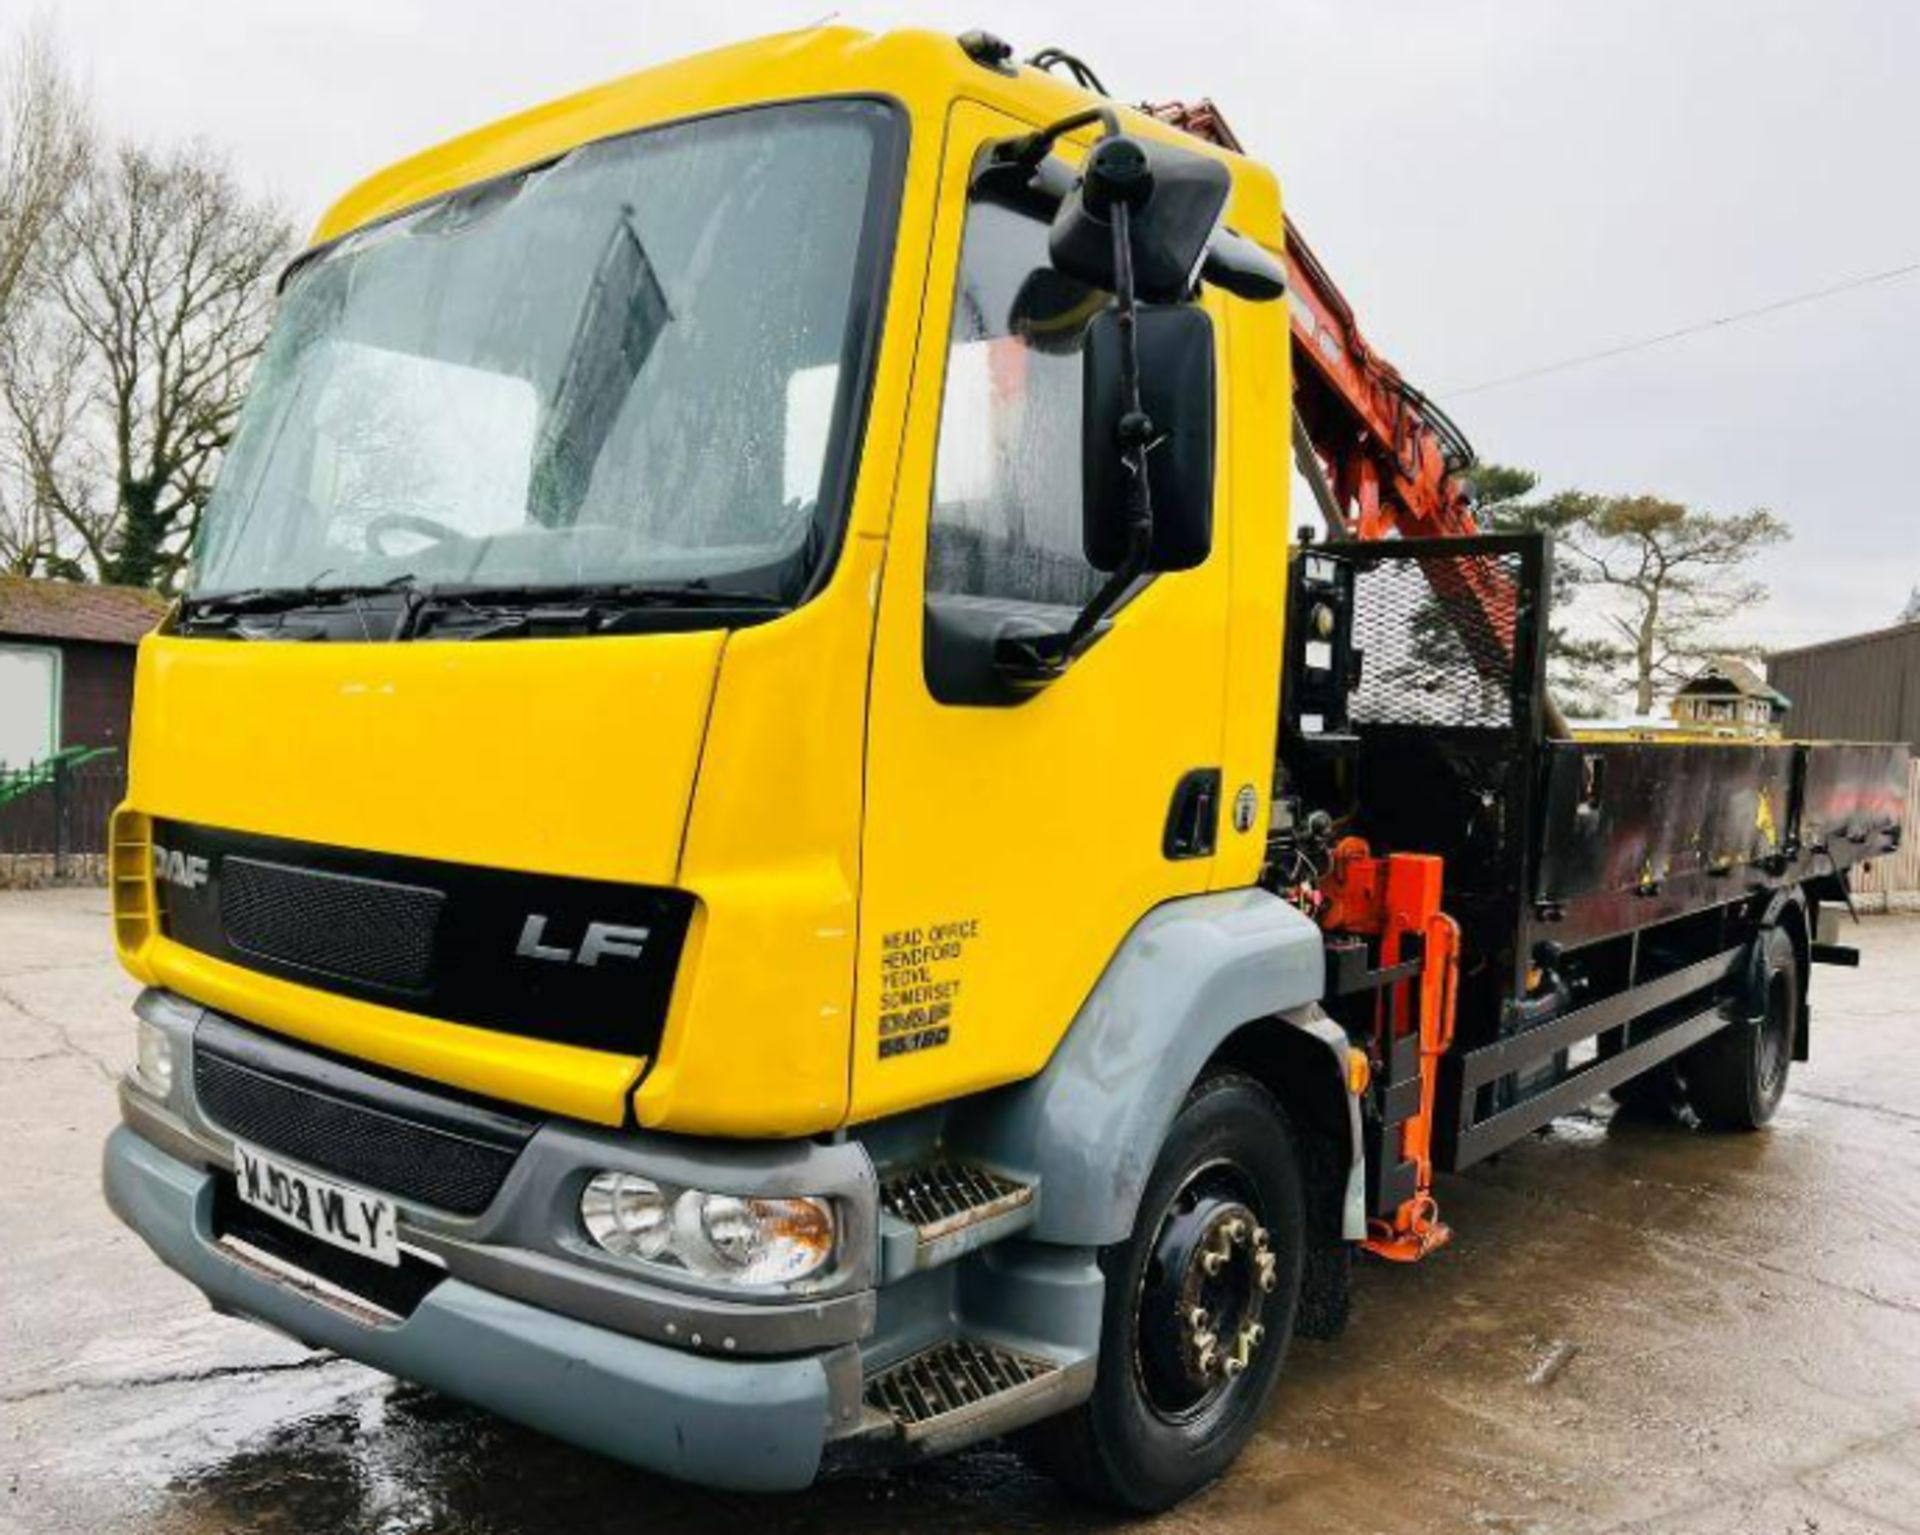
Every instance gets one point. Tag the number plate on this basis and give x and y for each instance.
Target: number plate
(344, 1217)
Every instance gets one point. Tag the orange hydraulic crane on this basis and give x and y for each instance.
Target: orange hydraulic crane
(1383, 460)
(1380, 457)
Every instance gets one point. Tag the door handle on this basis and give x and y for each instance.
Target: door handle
(1193, 819)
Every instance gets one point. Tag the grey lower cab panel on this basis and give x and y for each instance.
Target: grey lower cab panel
(751, 1425)
(978, 1347)
(527, 1243)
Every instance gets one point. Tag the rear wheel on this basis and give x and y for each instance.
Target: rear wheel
(1736, 1078)
(1200, 1306)
(1657, 1093)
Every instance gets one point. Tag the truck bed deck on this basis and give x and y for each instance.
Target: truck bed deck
(1605, 886)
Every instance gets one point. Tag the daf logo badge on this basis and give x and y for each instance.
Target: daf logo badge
(1246, 807)
(602, 940)
(187, 870)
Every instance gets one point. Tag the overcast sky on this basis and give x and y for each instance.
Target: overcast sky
(1497, 184)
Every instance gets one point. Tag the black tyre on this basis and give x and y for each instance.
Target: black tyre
(1200, 1307)
(1735, 1078)
(1658, 1094)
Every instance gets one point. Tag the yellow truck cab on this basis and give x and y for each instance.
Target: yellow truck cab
(700, 846)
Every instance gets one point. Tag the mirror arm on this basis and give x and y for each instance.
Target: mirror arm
(1136, 426)
(1040, 658)
(1035, 659)
(1030, 149)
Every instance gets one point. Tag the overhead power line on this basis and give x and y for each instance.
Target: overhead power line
(1736, 318)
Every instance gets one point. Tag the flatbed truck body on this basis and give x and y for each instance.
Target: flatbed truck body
(753, 845)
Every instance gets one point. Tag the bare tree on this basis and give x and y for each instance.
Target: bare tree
(158, 302)
(46, 139)
(1674, 575)
(43, 408)
(46, 145)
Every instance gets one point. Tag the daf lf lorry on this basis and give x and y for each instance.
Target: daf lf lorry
(755, 845)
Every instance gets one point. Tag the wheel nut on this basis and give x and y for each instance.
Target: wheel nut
(1232, 1366)
(1253, 1335)
(1260, 1239)
(1212, 1263)
(1197, 1318)
(1236, 1231)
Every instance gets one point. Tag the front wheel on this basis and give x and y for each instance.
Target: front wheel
(1200, 1306)
(1736, 1078)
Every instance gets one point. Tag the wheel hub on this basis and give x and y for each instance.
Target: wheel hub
(1213, 1267)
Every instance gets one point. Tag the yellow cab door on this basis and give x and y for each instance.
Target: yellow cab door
(1009, 846)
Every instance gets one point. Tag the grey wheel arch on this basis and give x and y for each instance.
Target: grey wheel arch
(1193, 976)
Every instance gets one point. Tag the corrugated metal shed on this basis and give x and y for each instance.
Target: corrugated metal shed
(1863, 688)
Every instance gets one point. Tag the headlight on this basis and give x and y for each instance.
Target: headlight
(153, 1058)
(753, 1241)
(718, 1236)
(627, 1215)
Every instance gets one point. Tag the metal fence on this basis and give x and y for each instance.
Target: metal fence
(53, 819)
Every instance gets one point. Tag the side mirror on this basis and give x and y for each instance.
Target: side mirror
(1177, 395)
(1175, 200)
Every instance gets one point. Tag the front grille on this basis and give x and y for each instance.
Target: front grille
(462, 943)
(336, 925)
(947, 1193)
(330, 1128)
(950, 1376)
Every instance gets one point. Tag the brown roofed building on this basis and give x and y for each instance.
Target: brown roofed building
(66, 664)
(1729, 697)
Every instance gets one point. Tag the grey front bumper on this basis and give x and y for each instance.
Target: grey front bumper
(746, 1424)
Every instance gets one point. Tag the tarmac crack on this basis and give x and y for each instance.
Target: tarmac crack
(170, 1378)
(68, 1044)
(15, 972)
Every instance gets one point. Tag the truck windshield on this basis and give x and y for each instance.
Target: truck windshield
(641, 364)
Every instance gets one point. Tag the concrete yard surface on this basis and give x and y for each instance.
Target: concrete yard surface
(1639, 1328)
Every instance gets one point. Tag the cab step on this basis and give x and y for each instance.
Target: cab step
(937, 1211)
(965, 1389)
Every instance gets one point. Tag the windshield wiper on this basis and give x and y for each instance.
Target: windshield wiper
(280, 599)
(513, 612)
(697, 593)
(232, 613)
(466, 612)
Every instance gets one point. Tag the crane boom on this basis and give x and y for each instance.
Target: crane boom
(1381, 456)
